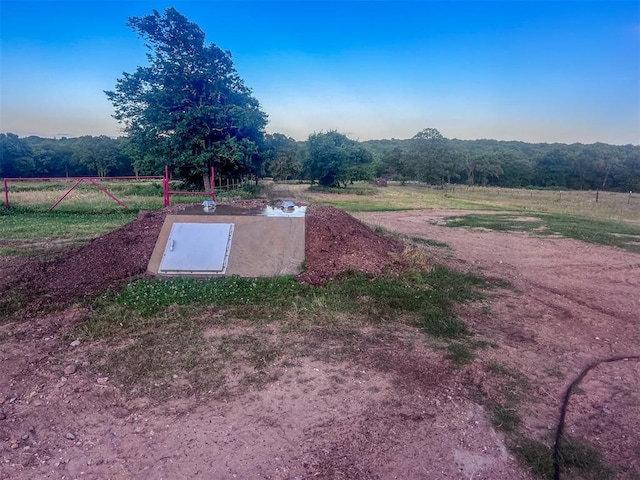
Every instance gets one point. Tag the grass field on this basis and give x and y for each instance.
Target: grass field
(157, 317)
(614, 220)
(27, 228)
(611, 206)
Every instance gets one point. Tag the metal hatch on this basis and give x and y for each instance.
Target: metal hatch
(197, 248)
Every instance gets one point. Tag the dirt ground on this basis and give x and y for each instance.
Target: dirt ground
(374, 402)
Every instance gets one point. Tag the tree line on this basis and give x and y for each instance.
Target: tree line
(431, 158)
(332, 159)
(189, 109)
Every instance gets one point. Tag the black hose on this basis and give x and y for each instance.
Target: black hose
(565, 404)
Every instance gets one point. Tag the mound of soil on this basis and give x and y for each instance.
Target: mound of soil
(335, 243)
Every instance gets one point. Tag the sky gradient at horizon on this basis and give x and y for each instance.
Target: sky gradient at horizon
(542, 71)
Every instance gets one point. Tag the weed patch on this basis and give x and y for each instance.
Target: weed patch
(589, 230)
(501, 370)
(498, 222)
(460, 353)
(166, 363)
(576, 457)
(429, 242)
(11, 303)
(505, 417)
(151, 297)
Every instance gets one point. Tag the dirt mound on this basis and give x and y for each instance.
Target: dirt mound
(335, 242)
(107, 261)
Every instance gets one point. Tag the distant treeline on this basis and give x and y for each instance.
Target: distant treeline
(434, 159)
(427, 157)
(66, 157)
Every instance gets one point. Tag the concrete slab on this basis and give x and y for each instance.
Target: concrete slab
(262, 246)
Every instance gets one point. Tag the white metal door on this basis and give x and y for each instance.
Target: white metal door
(197, 248)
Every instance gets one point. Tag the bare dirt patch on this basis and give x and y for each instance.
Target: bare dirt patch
(360, 402)
(572, 303)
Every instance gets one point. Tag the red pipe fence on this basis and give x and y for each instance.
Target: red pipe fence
(95, 181)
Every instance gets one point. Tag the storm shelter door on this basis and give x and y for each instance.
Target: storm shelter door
(197, 248)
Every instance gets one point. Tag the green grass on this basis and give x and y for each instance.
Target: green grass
(11, 303)
(498, 369)
(611, 207)
(498, 222)
(577, 458)
(152, 296)
(26, 231)
(505, 417)
(25, 223)
(429, 242)
(153, 316)
(137, 189)
(429, 295)
(459, 353)
(356, 189)
(379, 204)
(602, 232)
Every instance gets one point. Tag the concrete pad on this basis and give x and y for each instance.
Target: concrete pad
(262, 246)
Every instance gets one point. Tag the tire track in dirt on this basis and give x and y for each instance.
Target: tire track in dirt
(571, 303)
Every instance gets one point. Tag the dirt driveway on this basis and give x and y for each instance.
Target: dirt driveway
(572, 303)
(374, 402)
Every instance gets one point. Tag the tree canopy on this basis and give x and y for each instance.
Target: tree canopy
(189, 107)
(334, 159)
(282, 157)
(484, 162)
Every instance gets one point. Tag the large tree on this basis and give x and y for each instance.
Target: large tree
(430, 156)
(189, 106)
(282, 156)
(333, 159)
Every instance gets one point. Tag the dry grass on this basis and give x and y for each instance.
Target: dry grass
(42, 195)
(611, 205)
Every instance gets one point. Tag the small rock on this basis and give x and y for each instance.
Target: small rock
(102, 380)
(75, 343)
(2, 399)
(70, 369)
(25, 436)
(70, 436)
(3, 415)
(14, 443)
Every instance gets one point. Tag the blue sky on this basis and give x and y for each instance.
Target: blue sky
(540, 71)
